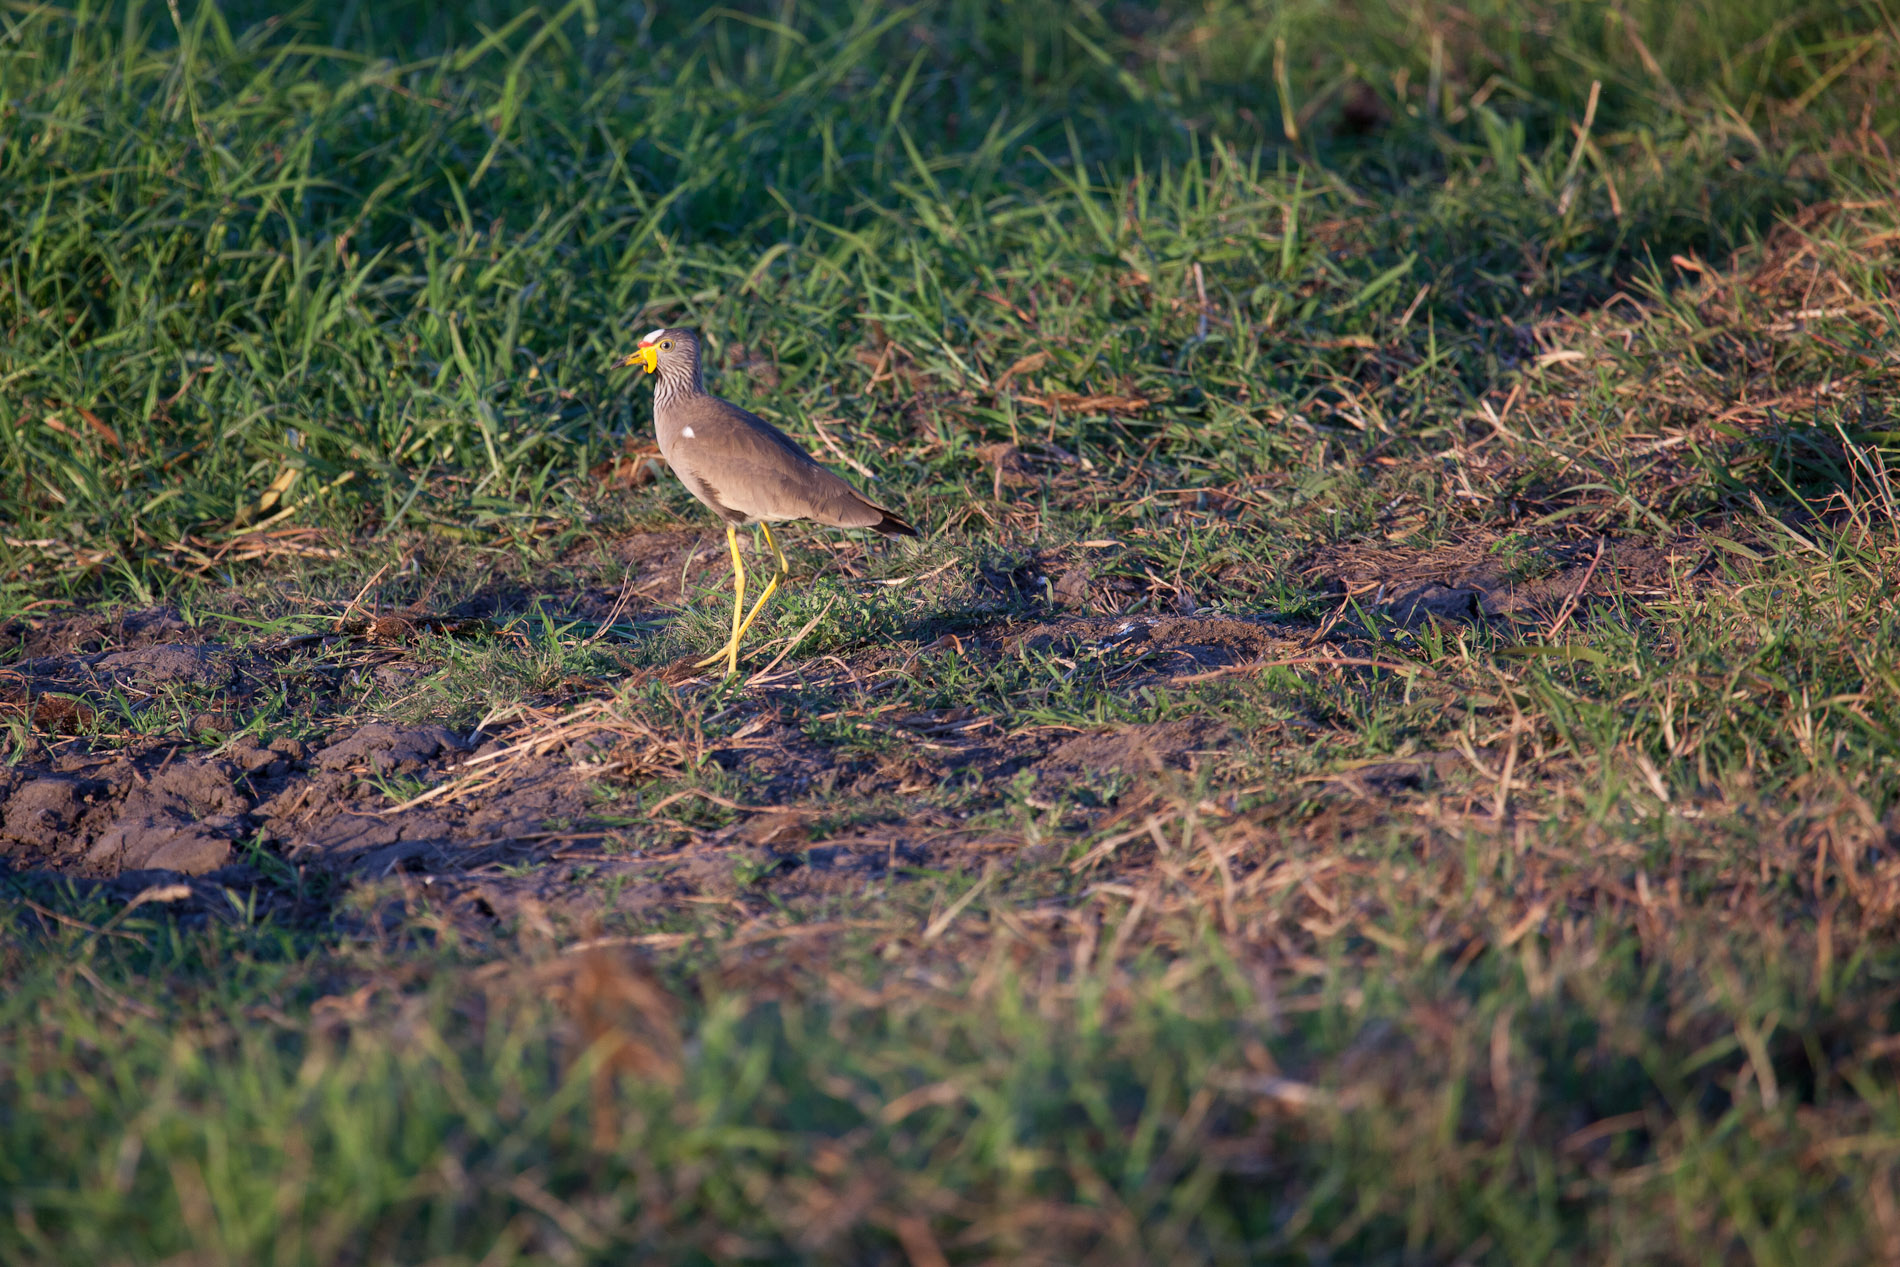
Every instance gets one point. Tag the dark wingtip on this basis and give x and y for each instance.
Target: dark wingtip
(891, 526)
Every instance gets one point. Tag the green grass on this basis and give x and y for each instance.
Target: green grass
(311, 308)
(389, 271)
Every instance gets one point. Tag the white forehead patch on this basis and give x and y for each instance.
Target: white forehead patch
(655, 336)
(686, 433)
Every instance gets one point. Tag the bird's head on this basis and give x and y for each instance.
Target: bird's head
(677, 349)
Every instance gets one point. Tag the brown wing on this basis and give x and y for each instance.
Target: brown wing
(749, 469)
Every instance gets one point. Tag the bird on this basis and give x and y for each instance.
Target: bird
(744, 469)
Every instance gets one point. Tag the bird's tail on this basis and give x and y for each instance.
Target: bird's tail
(853, 509)
(890, 525)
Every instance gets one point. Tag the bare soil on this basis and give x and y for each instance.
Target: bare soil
(1490, 577)
(211, 803)
(140, 813)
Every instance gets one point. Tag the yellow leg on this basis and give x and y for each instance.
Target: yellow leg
(730, 652)
(771, 587)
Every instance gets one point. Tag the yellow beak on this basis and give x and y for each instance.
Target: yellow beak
(647, 357)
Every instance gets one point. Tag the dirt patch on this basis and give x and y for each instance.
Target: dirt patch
(1506, 578)
(633, 574)
(387, 749)
(1101, 577)
(165, 807)
(1143, 749)
(654, 560)
(62, 695)
(1145, 648)
(78, 633)
(169, 662)
(575, 810)
(99, 815)
(201, 665)
(779, 755)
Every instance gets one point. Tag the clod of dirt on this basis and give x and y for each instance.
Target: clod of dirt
(167, 662)
(39, 814)
(184, 819)
(48, 714)
(1143, 749)
(1072, 588)
(397, 677)
(159, 845)
(1008, 467)
(1415, 604)
(387, 749)
(1168, 644)
(1390, 777)
(1484, 579)
(250, 757)
(92, 631)
(125, 813)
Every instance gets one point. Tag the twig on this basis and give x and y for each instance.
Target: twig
(1340, 661)
(1412, 307)
(793, 644)
(69, 921)
(663, 802)
(345, 617)
(754, 936)
(1126, 929)
(626, 591)
(1503, 801)
(151, 893)
(1110, 845)
(146, 1010)
(939, 925)
(1576, 155)
(1570, 604)
(1200, 291)
(895, 581)
(658, 941)
(1285, 1091)
(839, 453)
(1326, 626)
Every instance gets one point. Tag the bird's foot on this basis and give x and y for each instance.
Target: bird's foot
(730, 652)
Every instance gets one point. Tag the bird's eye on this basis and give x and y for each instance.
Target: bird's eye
(666, 343)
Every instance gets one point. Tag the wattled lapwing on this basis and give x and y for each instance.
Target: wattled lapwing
(744, 468)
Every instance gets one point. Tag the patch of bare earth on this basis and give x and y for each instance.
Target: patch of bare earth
(164, 806)
(531, 812)
(1147, 648)
(151, 807)
(1491, 577)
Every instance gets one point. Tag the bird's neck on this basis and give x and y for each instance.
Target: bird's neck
(677, 382)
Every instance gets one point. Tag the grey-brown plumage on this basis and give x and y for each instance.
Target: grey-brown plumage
(743, 468)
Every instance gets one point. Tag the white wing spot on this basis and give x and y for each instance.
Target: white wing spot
(655, 336)
(686, 433)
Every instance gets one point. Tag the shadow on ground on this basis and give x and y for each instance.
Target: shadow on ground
(150, 762)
